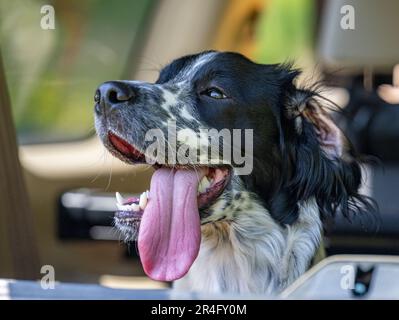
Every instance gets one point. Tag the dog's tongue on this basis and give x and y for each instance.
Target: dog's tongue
(170, 230)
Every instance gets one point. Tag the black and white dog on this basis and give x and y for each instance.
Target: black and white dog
(202, 223)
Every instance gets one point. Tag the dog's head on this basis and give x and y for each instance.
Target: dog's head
(275, 144)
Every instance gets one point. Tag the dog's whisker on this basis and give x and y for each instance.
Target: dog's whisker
(102, 158)
(269, 217)
(110, 174)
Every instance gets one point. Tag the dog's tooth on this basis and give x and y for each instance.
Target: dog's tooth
(122, 207)
(135, 207)
(147, 194)
(200, 187)
(207, 183)
(203, 185)
(143, 200)
(119, 198)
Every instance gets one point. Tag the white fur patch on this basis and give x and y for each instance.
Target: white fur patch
(170, 99)
(252, 253)
(188, 73)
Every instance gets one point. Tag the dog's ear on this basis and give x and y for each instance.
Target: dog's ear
(318, 160)
(304, 110)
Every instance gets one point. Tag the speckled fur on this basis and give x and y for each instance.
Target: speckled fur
(243, 249)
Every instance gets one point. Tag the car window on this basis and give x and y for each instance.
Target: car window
(52, 73)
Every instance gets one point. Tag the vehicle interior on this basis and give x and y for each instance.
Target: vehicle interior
(58, 183)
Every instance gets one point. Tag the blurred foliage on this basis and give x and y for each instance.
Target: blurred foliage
(52, 74)
(286, 31)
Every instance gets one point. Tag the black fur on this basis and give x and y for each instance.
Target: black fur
(290, 165)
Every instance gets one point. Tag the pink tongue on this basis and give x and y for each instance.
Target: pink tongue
(170, 230)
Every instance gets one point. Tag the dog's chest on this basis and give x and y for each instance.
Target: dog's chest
(227, 264)
(253, 254)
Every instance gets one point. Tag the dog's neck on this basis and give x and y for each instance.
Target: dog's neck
(252, 253)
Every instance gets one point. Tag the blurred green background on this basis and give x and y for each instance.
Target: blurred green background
(52, 74)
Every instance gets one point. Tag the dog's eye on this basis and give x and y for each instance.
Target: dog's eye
(214, 93)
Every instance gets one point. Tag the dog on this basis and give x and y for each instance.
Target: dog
(203, 225)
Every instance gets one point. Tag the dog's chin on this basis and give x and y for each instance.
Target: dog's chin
(213, 180)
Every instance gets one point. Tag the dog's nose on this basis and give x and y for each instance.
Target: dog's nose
(111, 93)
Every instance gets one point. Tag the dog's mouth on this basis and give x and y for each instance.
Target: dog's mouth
(126, 149)
(214, 179)
(169, 213)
